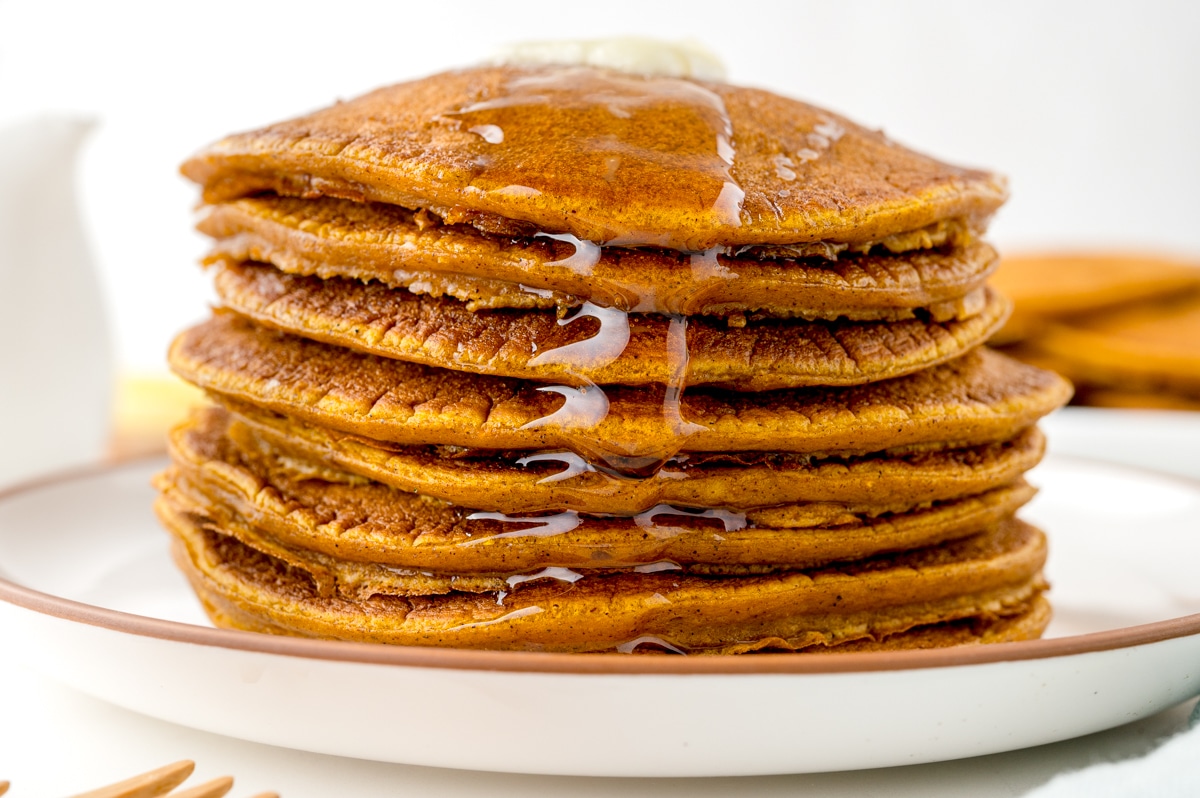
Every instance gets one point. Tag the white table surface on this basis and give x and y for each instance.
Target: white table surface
(55, 741)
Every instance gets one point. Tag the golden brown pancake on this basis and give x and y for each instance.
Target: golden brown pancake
(986, 576)
(402, 249)
(278, 503)
(607, 157)
(597, 345)
(565, 359)
(1148, 347)
(979, 398)
(1056, 286)
(549, 481)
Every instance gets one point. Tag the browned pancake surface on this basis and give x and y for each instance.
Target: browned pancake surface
(996, 574)
(522, 482)
(370, 241)
(606, 346)
(604, 156)
(232, 478)
(978, 398)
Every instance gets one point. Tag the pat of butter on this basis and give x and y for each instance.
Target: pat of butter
(635, 54)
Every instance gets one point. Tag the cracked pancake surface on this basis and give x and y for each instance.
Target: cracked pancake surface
(432, 143)
(548, 481)
(402, 249)
(227, 474)
(978, 398)
(996, 574)
(617, 348)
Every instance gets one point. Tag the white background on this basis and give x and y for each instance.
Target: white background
(1091, 108)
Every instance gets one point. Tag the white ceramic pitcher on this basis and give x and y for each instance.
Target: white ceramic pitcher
(55, 358)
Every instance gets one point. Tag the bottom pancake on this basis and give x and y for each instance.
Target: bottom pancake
(984, 582)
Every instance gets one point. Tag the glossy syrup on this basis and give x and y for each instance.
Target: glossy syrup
(570, 520)
(617, 140)
(665, 142)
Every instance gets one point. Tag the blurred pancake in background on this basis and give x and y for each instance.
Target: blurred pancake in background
(1124, 328)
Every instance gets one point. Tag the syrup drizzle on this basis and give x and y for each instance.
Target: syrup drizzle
(508, 616)
(570, 520)
(575, 465)
(540, 525)
(583, 260)
(636, 136)
(559, 574)
(656, 567)
(731, 519)
(629, 137)
(649, 640)
(602, 348)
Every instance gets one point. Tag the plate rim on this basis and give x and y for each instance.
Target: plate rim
(568, 664)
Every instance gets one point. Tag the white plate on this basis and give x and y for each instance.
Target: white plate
(91, 597)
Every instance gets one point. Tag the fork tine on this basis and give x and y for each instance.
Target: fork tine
(148, 785)
(209, 789)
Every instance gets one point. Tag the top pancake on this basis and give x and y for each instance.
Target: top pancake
(607, 157)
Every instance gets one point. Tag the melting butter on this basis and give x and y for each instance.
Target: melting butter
(635, 54)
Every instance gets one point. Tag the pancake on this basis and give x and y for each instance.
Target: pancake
(1136, 400)
(597, 345)
(1058, 286)
(607, 157)
(274, 502)
(549, 481)
(402, 249)
(981, 397)
(997, 574)
(1150, 347)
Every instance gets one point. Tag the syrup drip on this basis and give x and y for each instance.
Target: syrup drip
(490, 133)
(686, 296)
(785, 168)
(649, 640)
(655, 567)
(559, 574)
(515, 190)
(602, 348)
(823, 136)
(545, 293)
(731, 519)
(524, 612)
(583, 260)
(585, 406)
(570, 520)
(576, 465)
(541, 525)
(631, 137)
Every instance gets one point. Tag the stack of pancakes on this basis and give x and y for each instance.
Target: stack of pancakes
(566, 359)
(1124, 327)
